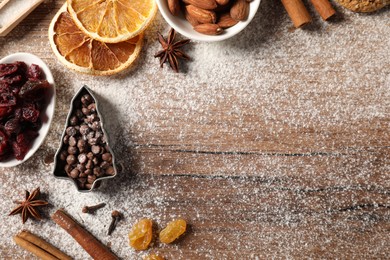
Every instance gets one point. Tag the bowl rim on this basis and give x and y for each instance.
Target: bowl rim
(83, 89)
(29, 59)
(232, 31)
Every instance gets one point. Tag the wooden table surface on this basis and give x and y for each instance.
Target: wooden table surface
(273, 144)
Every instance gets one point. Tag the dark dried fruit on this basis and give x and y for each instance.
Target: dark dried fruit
(7, 99)
(3, 143)
(8, 69)
(22, 144)
(34, 72)
(22, 90)
(5, 111)
(34, 90)
(12, 80)
(12, 126)
(30, 113)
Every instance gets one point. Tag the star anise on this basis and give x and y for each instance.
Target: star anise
(28, 207)
(171, 50)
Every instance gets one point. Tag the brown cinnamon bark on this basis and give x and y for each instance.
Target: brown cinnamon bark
(324, 8)
(90, 244)
(39, 252)
(42, 244)
(297, 12)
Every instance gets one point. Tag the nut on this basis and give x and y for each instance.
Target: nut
(203, 4)
(225, 13)
(201, 15)
(208, 28)
(174, 7)
(222, 2)
(226, 21)
(240, 10)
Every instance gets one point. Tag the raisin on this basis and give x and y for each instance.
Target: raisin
(34, 90)
(141, 234)
(173, 230)
(30, 113)
(34, 72)
(153, 257)
(3, 143)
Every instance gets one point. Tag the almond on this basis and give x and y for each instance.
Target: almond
(240, 10)
(222, 2)
(204, 4)
(174, 7)
(208, 28)
(226, 21)
(201, 15)
(192, 20)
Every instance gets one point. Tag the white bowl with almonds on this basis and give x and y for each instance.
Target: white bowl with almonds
(208, 20)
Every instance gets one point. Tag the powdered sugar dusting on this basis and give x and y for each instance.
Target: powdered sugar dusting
(273, 144)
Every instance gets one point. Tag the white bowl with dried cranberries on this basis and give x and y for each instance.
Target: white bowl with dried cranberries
(27, 101)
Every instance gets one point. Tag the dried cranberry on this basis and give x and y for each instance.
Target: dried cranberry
(35, 125)
(12, 126)
(34, 90)
(30, 113)
(7, 99)
(22, 90)
(4, 86)
(18, 113)
(3, 142)
(12, 79)
(22, 144)
(8, 69)
(5, 111)
(20, 150)
(34, 72)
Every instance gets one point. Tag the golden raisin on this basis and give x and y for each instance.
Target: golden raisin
(173, 230)
(141, 234)
(153, 257)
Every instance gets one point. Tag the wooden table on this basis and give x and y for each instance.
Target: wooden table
(273, 144)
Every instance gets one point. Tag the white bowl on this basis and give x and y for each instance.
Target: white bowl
(48, 112)
(182, 26)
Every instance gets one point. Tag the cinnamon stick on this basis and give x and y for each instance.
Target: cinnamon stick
(297, 12)
(90, 244)
(39, 252)
(39, 242)
(324, 8)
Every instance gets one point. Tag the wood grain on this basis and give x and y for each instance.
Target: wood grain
(283, 155)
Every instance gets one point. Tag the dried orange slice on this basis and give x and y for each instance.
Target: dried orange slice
(83, 54)
(112, 20)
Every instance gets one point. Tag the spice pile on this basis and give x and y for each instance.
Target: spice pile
(22, 92)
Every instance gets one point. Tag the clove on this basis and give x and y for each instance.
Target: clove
(92, 209)
(116, 216)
